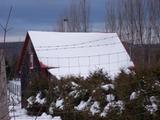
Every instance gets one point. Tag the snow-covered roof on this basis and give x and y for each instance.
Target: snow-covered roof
(80, 53)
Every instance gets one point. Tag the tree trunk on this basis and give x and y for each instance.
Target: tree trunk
(4, 112)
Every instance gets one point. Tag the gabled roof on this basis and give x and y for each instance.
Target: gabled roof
(80, 53)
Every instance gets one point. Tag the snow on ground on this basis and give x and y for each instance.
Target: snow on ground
(17, 113)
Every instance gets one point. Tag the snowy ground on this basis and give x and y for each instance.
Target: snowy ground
(17, 113)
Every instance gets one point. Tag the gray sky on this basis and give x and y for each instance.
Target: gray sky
(42, 15)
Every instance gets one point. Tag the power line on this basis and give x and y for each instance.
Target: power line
(75, 47)
(105, 63)
(76, 44)
(113, 53)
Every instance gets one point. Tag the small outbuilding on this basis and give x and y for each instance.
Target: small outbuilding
(61, 54)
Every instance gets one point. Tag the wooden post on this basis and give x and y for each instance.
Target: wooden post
(4, 112)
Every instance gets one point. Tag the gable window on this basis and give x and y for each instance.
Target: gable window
(31, 61)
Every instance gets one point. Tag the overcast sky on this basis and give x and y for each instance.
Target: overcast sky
(42, 15)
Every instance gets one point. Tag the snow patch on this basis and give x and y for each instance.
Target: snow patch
(153, 99)
(152, 108)
(107, 87)
(52, 106)
(118, 104)
(31, 100)
(17, 113)
(110, 97)
(74, 93)
(59, 103)
(45, 116)
(133, 96)
(95, 108)
(82, 105)
(57, 118)
(74, 84)
(39, 99)
(157, 83)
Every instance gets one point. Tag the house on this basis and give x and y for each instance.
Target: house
(61, 54)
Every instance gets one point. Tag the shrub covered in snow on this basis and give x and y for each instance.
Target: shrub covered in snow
(37, 105)
(129, 96)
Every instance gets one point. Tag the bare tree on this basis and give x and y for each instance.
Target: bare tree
(128, 23)
(110, 19)
(77, 14)
(5, 27)
(140, 20)
(84, 8)
(135, 21)
(120, 19)
(4, 112)
(70, 20)
(155, 21)
(74, 17)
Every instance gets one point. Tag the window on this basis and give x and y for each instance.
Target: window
(31, 61)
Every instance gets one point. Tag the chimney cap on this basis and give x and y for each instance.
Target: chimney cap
(65, 19)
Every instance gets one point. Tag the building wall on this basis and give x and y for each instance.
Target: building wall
(26, 73)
